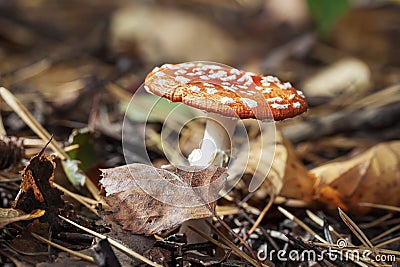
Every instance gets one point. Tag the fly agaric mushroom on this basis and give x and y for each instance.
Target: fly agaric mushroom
(226, 94)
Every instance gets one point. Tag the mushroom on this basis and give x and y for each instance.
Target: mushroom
(226, 94)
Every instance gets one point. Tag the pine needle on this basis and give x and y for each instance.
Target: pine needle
(291, 217)
(233, 247)
(355, 229)
(72, 252)
(261, 216)
(114, 243)
(380, 206)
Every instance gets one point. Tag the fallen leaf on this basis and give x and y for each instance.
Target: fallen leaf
(297, 182)
(36, 189)
(372, 176)
(285, 176)
(8, 216)
(147, 200)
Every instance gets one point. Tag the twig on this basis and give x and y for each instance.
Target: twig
(387, 242)
(32, 70)
(114, 243)
(261, 216)
(75, 253)
(357, 231)
(243, 205)
(377, 221)
(231, 231)
(2, 129)
(210, 239)
(236, 235)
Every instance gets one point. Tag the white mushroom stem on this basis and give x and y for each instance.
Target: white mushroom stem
(214, 149)
(216, 142)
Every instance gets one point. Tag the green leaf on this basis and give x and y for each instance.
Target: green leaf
(326, 13)
(85, 154)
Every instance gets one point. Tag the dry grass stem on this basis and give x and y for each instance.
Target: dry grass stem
(72, 252)
(114, 243)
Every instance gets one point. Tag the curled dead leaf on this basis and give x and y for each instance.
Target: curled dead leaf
(372, 176)
(36, 189)
(147, 200)
(287, 175)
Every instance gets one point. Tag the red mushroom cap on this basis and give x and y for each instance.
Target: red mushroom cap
(226, 91)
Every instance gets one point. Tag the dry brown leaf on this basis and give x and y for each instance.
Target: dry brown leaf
(36, 189)
(372, 176)
(147, 200)
(287, 177)
(8, 216)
